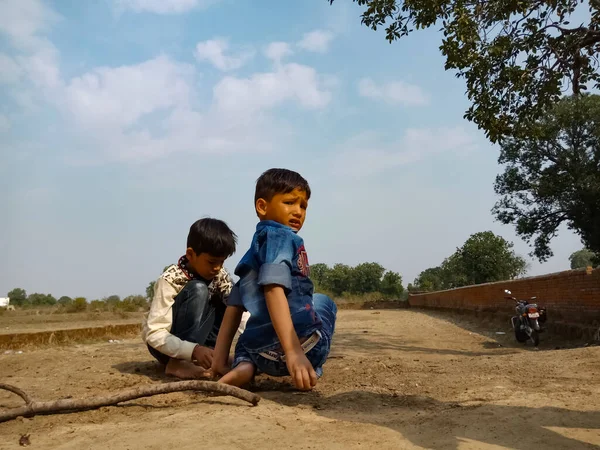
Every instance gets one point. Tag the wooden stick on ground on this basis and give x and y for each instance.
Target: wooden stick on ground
(33, 408)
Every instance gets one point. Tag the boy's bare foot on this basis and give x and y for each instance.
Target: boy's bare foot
(239, 376)
(186, 370)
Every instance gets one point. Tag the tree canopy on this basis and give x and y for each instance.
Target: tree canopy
(364, 278)
(430, 280)
(150, 287)
(582, 258)
(18, 296)
(150, 290)
(517, 58)
(484, 258)
(65, 300)
(552, 176)
(38, 299)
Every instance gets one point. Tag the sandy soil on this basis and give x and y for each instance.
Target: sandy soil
(396, 380)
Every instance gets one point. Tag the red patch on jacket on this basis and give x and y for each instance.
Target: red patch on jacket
(303, 262)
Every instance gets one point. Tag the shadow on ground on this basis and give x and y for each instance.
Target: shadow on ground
(515, 427)
(150, 369)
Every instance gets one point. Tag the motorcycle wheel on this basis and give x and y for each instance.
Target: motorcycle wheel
(521, 336)
(535, 338)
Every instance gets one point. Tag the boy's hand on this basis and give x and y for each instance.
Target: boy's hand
(202, 356)
(301, 370)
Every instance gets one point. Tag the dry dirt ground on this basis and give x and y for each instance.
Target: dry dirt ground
(396, 380)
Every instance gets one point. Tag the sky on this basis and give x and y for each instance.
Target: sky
(124, 121)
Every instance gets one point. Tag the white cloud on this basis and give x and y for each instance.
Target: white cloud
(162, 6)
(267, 90)
(24, 22)
(395, 92)
(214, 51)
(276, 51)
(122, 95)
(111, 107)
(25, 99)
(366, 154)
(316, 41)
(182, 131)
(147, 110)
(4, 123)
(42, 67)
(10, 71)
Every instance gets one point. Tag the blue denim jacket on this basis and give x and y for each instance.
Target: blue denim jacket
(276, 256)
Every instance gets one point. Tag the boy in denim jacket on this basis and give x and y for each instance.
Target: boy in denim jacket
(290, 328)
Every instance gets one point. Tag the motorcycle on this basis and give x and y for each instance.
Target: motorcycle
(527, 323)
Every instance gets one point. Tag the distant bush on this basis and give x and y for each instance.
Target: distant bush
(44, 305)
(79, 304)
(98, 305)
(133, 303)
(65, 301)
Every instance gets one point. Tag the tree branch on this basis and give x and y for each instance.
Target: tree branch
(16, 390)
(33, 408)
(592, 37)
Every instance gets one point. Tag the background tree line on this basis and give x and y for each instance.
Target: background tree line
(483, 258)
(343, 280)
(131, 303)
(366, 278)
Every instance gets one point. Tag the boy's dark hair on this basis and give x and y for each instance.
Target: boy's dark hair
(212, 236)
(279, 181)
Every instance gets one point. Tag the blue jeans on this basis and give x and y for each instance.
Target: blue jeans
(195, 318)
(327, 311)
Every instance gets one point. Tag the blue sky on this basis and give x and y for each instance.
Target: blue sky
(124, 121)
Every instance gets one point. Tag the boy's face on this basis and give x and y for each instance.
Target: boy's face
(204, 264)
(287, 209)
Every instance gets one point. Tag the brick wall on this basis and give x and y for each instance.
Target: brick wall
(572, 296)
